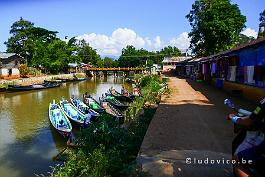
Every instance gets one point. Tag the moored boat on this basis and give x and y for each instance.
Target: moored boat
(82, 107)
(73, 114)
(2, 89)
(123, 97)
(113, 101)
(93, 104)
(59, 120)
(18, 88)
(79, 79)
(111, 110)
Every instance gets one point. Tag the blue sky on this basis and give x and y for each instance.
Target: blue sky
(110, 25)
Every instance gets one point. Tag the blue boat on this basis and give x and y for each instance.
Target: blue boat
(73, 114)
(82, 107)
(59, 120)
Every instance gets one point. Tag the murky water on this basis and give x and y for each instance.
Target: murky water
(27, 141)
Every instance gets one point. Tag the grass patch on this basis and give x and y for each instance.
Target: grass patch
(109, 149)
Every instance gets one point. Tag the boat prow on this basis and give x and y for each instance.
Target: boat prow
(59, 120)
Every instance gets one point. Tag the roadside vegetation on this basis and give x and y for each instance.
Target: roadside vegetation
(108, 149)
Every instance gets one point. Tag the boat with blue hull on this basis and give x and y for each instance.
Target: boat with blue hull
(73, 114)
(83, 108)
(59, 120)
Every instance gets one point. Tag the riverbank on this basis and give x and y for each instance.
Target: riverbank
(190, 123)
(34, 80)
(105, 149)
(29, 143)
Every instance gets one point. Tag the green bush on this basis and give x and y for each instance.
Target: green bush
(23, 69)
(82, 165)
(108, 149)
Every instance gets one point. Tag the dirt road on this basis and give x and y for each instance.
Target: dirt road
(189, 126)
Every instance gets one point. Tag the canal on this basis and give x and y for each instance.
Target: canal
(27, 141)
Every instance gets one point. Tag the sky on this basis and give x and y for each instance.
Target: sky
(110, 25)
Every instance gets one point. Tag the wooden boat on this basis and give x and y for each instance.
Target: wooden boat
(93, 104)
(2, 89)
(46, 85)
(111, 110)
(129, 80)
(119, 96)
(53, 81)
(73, 114)
(113, 101)
(82, 107)
(59, 120)
(79, 79)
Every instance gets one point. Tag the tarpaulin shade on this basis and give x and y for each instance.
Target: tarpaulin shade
(248, 57)
(261, 56)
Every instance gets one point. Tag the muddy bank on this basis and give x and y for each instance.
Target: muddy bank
(35, 80)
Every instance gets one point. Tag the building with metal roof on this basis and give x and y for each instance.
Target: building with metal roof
(9, 63)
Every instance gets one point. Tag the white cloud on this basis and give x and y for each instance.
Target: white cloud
(250, 32)
(181, 42)
(121, 37)
(158, 42)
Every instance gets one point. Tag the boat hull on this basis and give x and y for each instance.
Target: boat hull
(32, 87)
(92, 113)
(65, 131)
(99, 110)
(80, 122)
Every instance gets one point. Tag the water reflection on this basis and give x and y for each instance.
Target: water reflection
(27, 141)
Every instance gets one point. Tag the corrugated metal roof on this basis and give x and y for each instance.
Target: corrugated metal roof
(175, 59)
(6, 55)
(241, 47)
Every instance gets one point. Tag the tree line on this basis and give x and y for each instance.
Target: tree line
(41, 48)
(215, 26)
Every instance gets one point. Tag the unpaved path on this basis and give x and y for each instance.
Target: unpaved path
(189, 123)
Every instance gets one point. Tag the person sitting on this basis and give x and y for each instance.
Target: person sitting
(253, 146)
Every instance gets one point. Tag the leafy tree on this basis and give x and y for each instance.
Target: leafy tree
(170, 51)
(23, 36)
(216, 25)
(109, 62)
(87, 54)
(53, 57)
(131, 57)
(262, 16)
(262, 21)
(243, 39)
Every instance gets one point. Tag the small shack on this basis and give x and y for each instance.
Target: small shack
(9, 63)
(170, 63)
(240, 70)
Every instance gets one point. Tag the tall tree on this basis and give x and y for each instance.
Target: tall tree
(109, 62)
(170, 51)
(262, 16)
(54, 56)
(23, 36)
(87, 54)
(132, 57)
(216, 25)
(243, 39)
(262, 26)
